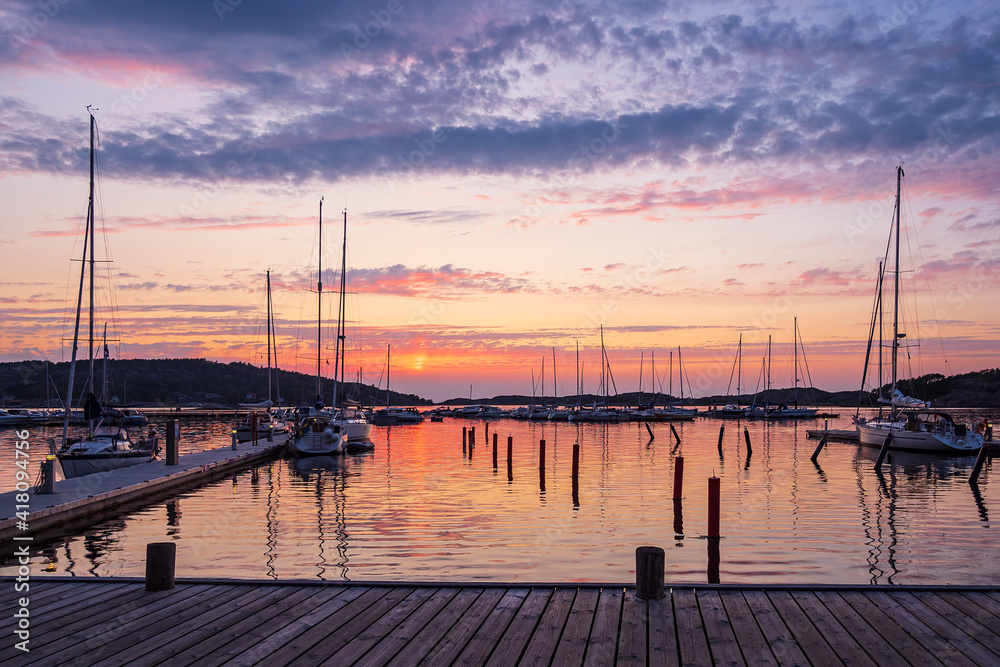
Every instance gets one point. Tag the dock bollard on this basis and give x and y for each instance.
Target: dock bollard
(160, 558)
(472, 437)
(541, 453)
(714, 490)
(494, 454)
(464, 436)
(270, 432)
(48, 471)
(576, 460)
(746, 436)
(649, 566)
(234, 440)
(171, 458)
(722, 431)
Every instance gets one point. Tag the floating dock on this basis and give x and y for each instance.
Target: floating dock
(90, 497)
(841, 435)
(282, 623)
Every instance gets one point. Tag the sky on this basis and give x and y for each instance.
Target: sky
(516, 175)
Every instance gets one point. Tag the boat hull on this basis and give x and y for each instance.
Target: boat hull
(919, 441)
(313, 443)
(78, 465)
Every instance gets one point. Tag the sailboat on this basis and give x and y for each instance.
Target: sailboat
(910, 422)
(794, 412)
(107, 445)
(734, 410)
(348, 416)
(389, 415)
(266, 421)
(316, 434)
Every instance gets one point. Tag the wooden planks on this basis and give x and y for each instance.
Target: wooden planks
(214, 623)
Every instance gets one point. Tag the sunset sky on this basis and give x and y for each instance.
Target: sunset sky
(516, 174)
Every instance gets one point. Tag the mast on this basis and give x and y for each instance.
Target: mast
(269, 337)
(555, 386)
(795, 368)
(739, 368)
(895, 305)
(579, 390)
(319, 313)
(670, 383)
(680, 373)
(542, 399)
(388, 352)
(90, 371)
(767, 391)
(641, 355)
(104, 365)
(338, 364)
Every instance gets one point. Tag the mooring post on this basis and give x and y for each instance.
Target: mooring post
(270, 432)
(722, 430)
(233, 446)
(494, 455)
(714, 558)
(487, 439)
(883, 452)
(819, 448)
(576, 460)
(649, 430)
(541, 453)
(48, 472)
(171, 442)
(674, 431)
(746, 436)
(714, 489)
(984, 453)
(160, 557)
(472, 438)
(649, 570)
(253, 427)
(678, 477)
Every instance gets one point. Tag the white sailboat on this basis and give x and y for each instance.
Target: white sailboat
(107, 445)
(910, 422)
(793, 412)
(267, 422)
(316, 434)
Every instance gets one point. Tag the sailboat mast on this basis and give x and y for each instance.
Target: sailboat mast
(739, 368)
(579, 390)
(555, 385)
(339, 363)
(90, 371)
(680, 373)
(388, 353)
(268, 325)
(795, 344)
(895, 304)
(79, 294)
(641, 355)
(319, 312)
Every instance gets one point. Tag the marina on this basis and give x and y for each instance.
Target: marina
(421, 507)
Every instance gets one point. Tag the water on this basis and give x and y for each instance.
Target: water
(417, 509)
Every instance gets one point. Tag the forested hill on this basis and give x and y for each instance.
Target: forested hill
(171, 382)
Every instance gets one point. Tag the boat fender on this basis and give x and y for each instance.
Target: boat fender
(328, 434)
(960, 442)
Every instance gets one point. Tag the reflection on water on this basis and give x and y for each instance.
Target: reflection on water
(419, 508)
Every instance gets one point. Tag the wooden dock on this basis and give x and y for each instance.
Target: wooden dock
(87, 499)
(116, 622)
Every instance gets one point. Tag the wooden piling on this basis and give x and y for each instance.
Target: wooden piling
(510, 449)
(819, 448)
(541, 454)
(678, 520)
(883, 452)
(984, 453)
(576, 460)
(472, 437)
(678, 477)
(160, 558)
(674, 431)
(172, 454)
(714, 490)
(649, 430)
(714, 558)
(746, 436)
(649, 571)
(464, 437)
(253, 427)
(494, 454)
(722, 431)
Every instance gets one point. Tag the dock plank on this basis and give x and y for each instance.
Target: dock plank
(572, 646)
(778, 635)
(959, 619)
(662, 627)
(396, 641)
(893, 629)
(721, 638)
(749, 637)
(384, 626)
(493, 627)
(510, 647)
(432, 633)
(632, 638)
(808, 636)
(968, 607)
(277, 637)
(842, 641)
(603, 643)
(454, 641)
(954, 636)
(692, 642)
(914, 626)
(542, 646)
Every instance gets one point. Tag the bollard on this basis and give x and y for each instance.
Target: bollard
(253, 428)
(472, 437)
(510, 449)
(713, 507)
(984, 453)
(649, 566)
(233, 447)
(674, 431)
(678, 477)
(722, 431)
(883, 452)
(270, 432)
(171, 459)
(487, 439)
(160, 557)
(494, 455)
(746, 436)
(541, 454)
(464, 433)
(576, 460)
(819, 448)
(48, 472)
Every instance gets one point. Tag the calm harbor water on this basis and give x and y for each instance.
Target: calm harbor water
(418, 509)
